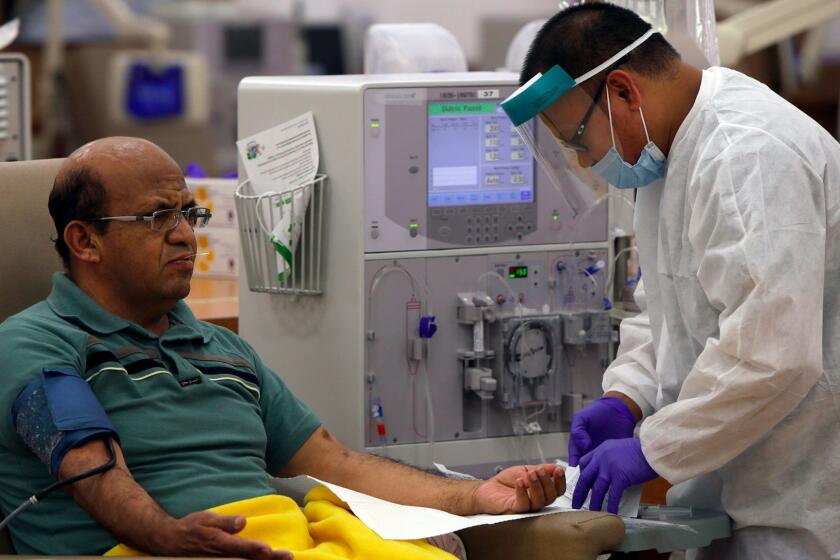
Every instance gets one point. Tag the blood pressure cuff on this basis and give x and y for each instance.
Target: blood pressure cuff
(56, 412)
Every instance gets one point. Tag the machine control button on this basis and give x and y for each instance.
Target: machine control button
(487, 239)
(450, 211)
(445, 231)
(469, 220)
(437, 211)
(529, 227)
(413, 228)
(519, 218)
(374, 233)
(469, 239)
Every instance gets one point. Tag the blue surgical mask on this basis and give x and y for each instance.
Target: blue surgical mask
(622, 175)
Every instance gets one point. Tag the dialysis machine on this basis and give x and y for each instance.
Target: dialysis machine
(463, 317)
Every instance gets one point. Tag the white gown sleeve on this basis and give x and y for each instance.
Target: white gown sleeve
(634, 370)
(757, 225)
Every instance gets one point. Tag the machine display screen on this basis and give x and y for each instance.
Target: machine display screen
(515, 272)
(476, 157)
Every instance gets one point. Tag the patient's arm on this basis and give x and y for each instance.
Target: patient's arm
(516, 489)
(124, 508)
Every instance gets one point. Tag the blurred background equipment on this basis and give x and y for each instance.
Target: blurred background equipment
(751, 26)
(518, 49)
(105, 70)
(15, 107)
(404, 48)
(791, 45)
(235, 39)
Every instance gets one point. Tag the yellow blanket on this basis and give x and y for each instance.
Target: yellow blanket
(324, 530)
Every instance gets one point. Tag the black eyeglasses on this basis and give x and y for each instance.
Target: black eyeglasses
(576, 143)
(164, 220)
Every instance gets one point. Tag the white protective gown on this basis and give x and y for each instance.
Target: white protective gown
(735, 359)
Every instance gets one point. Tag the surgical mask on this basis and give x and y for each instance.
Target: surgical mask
(622, 175)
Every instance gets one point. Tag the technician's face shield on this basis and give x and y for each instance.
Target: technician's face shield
(565, 124)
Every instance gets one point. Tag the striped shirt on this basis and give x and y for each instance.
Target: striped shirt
(201, 420)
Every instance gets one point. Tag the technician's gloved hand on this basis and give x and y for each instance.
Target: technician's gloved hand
(606, 418)
(613, 466)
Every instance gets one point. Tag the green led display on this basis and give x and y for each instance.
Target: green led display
(515, 272)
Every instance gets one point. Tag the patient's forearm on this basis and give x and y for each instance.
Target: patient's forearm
(116, 500)
(324, 457)
(403, 484)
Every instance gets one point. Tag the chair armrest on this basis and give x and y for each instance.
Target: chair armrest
(578, 535)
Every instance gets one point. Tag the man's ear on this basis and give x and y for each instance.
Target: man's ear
(623, 90)
(83, 241)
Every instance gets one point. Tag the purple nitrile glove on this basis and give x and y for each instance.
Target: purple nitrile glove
(613, 466)
(606, 418)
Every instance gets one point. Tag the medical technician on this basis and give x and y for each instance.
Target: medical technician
(733, 365)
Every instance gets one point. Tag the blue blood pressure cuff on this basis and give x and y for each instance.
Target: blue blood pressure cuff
(56, 412)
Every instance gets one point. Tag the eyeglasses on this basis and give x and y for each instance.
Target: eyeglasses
(576, 143)
(164, 220)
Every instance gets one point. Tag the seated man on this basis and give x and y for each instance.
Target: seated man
(200, 420)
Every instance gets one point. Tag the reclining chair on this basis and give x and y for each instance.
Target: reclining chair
(28, 261)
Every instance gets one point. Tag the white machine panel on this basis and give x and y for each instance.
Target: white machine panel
(444, 168)
(15, 127)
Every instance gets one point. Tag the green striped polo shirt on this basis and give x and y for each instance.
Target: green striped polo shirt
(202, 421)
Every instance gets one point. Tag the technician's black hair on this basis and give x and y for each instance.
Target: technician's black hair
(581, 37)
